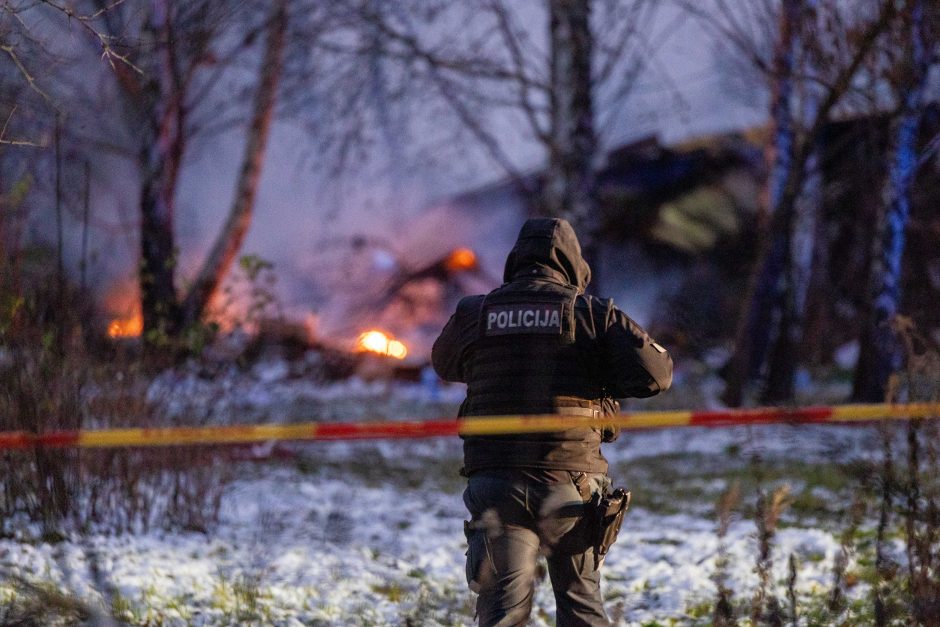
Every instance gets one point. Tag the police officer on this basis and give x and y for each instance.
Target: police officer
(539, 345)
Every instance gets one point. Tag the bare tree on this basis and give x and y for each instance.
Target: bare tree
(750, 345)
(175, 43)
(484, 62)
(167, 60)
(916, 34)
(570, 190)
(821, 50)
(233, 233)
(31, 119)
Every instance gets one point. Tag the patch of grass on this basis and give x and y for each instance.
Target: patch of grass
(392, 591)
(813, 556)
(692, 482)
(42, 603)
(664, 541)
(241, 599)
(436, 603)
(246, 591)
(700, 610)
(409, 471)
(123, 609)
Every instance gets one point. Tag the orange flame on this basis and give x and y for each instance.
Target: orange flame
(461, 259)
(378, 342)
(126, 327)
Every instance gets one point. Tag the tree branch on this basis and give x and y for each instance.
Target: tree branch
(107, 51)
(10, 51)
(16, 142)
(631, 23)
(472, 67)
(738, 39)
(515, 53)
(490, 143)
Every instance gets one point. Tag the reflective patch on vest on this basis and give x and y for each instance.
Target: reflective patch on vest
(542, 318)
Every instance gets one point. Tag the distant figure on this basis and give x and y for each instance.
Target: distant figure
(538, 345)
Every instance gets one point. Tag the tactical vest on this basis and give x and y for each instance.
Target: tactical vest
(531, 357)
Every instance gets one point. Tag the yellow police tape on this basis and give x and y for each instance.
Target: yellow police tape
(485, 425)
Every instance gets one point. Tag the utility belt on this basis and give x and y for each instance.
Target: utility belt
(607, 406)
(594, 411)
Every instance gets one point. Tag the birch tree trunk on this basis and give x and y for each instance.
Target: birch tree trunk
(880, 355)
(570, 187)
(796, 271)
(230, 240)
(753, 336)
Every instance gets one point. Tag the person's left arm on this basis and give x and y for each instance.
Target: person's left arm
(634, 363)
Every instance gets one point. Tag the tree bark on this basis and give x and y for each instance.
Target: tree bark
(230, 240)
(570, 189)
(160, 157)
(797, 268)
(881, 355)
(753, 340)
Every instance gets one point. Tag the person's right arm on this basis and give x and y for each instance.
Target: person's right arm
(635, 365)
(448, 355)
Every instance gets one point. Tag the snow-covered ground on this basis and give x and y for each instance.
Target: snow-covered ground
(370, 533)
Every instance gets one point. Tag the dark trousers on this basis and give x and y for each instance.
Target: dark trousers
(516, 515)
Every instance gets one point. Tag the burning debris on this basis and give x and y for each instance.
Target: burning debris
(121, 328)
(120, 306)
(380, 337)
(445, 270)
(460, 260)
(378, 342)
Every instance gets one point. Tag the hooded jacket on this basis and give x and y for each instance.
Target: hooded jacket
(538, 344)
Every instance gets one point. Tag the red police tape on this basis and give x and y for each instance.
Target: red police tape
(483, 425)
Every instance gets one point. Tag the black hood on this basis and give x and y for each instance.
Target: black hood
(548, 247)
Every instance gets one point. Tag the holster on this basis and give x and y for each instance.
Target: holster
(477, 551)
(609, 516)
